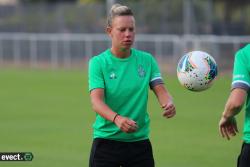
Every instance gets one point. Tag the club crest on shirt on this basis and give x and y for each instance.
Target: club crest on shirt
(112, 75)
(141, 71)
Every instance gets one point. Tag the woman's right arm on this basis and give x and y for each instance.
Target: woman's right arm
(99, 106)
(125, 124)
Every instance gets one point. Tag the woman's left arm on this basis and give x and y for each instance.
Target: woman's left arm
(165, 100)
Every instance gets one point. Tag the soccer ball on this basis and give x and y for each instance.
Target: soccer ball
(196, 70)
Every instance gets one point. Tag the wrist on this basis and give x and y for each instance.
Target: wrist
(116, 115)
(166, 104)
(226, 116)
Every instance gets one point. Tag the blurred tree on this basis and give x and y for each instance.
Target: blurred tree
(89, 1)
(231, 6)
(233, 16)
(46, 1)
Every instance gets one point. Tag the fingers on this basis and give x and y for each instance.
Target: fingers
(228, 132)
(129, 126)
(224, 133)
(228, 128)
(169, 110)
(231, 130)
(126, 125)
(222, 128)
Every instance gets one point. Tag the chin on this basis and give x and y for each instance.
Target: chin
(126, 46)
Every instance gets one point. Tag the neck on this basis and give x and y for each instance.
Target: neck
(121, 52)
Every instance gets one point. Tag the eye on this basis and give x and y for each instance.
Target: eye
(122, 29)
(131, 29)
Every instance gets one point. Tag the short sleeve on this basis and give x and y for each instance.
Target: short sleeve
(241, 78)
(155, 77)
(95, 74)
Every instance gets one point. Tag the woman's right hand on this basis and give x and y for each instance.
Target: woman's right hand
(125, 124)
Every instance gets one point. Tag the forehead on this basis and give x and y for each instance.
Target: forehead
(123, 21)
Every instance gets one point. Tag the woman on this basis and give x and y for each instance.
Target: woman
(119, 79)
(239, 95)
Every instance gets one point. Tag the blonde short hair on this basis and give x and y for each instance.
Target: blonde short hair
(118, 10)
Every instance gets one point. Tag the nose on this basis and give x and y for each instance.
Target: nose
(128, 33)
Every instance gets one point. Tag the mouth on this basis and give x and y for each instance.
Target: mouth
(128, 42)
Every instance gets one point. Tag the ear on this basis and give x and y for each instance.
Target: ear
(108, 31)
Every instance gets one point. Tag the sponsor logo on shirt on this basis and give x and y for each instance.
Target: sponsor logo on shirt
(112, 75)
(141, 71)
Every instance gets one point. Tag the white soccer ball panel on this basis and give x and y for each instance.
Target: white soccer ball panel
(196, 70)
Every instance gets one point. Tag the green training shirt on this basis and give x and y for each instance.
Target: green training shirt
(241, 79)
(125, 82)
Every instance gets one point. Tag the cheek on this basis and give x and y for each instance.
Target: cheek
(118, 36)
(133, 34)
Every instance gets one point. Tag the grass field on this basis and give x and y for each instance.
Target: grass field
(48, 113)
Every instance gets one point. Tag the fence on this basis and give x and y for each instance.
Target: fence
(74, 50)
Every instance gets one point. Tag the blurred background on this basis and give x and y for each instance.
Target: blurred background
(45, 46)
(66, 33)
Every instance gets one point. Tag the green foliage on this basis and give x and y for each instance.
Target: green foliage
(46, 1)
(89, 1)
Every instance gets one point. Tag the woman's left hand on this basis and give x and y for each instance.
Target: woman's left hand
(169, 110)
